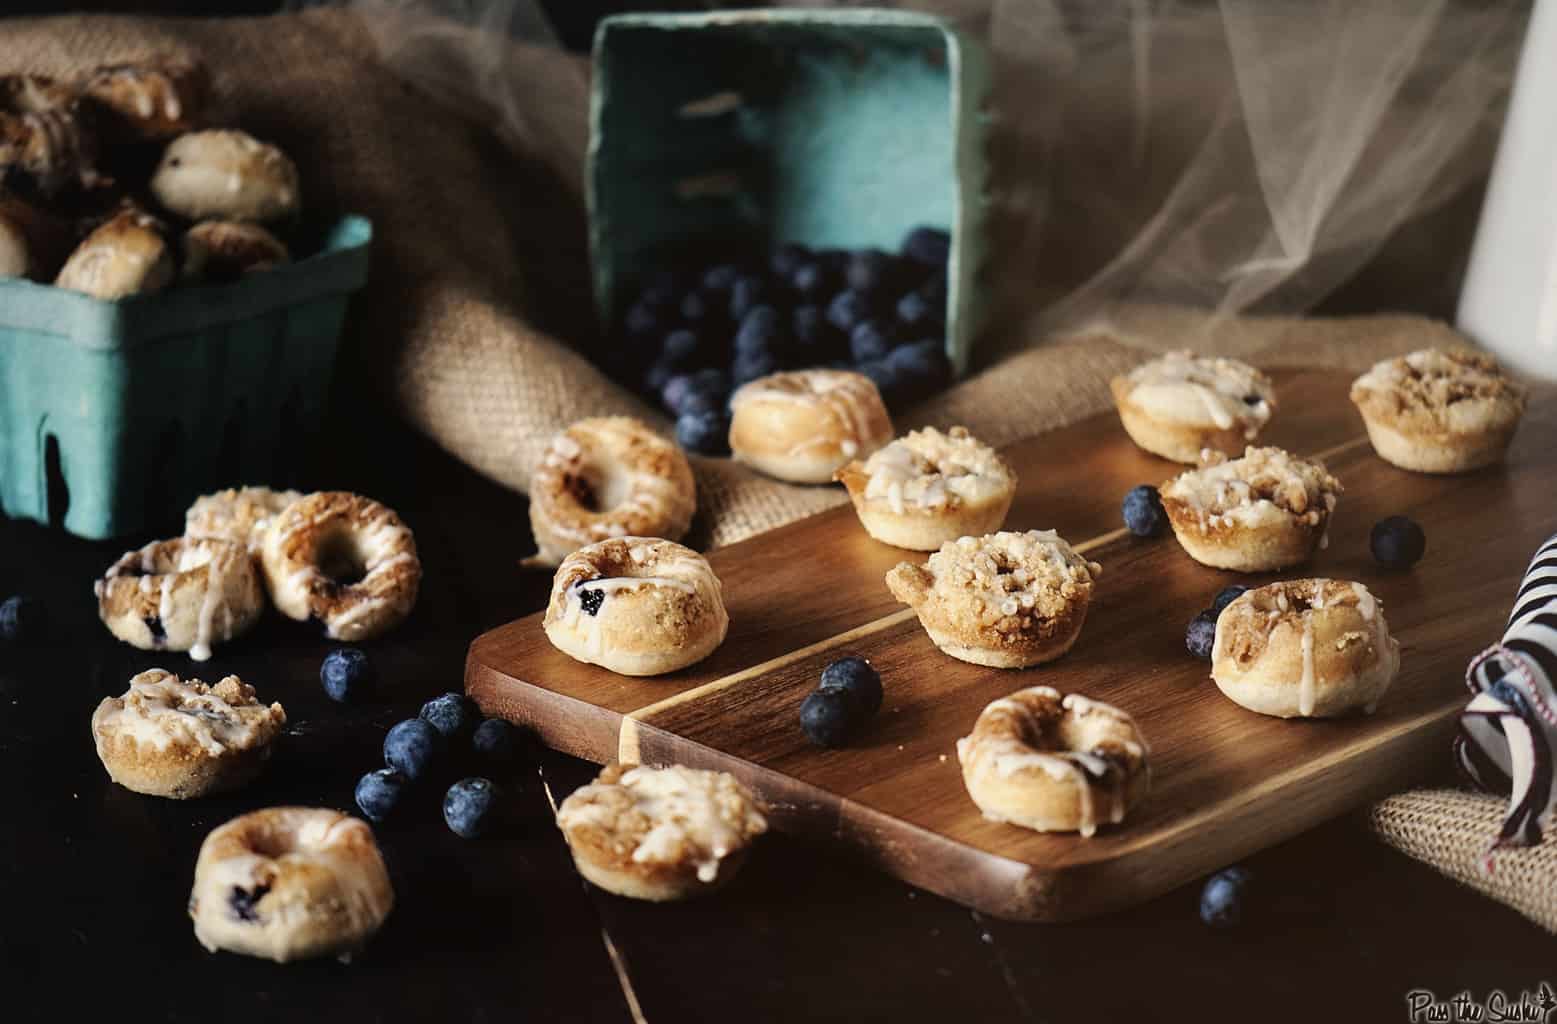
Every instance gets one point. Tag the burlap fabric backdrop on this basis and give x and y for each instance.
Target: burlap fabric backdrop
(453, 327)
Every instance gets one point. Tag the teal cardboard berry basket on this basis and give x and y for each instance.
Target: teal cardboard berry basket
(827, 128)
(117, 414)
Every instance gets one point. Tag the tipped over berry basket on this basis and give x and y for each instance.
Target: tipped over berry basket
(115, 414)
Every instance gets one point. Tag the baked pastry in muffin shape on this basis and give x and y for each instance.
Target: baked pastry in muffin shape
(927, 488)
(1180, 403)
(290, 883)
(608, 476)
(1268, 510)
(1052, 763)
(184, 594)
(221, 250)
(127, 255)
(344, 561)
(639, 606)
(239, 514)
(142, 102)
(1006, 600)
(1305, 648)
(226, 175)
(1439, 411)
(660, 833)
(45, 135)
(805, 425)
(167, 737)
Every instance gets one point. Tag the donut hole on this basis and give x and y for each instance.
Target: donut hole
(341, 558)
(597, 492)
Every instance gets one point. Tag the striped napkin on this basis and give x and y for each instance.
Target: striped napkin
(1508, 732)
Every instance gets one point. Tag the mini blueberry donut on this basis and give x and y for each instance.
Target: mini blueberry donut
(1180, 403)
(1054, 764)
(290, 883)
(241, 514)
(127, 255)
(660, 833)
(222, 250)
(184, 594)
(1305, 648)
(149, 101)
(166, 737)
(804, 426)
(610, 476)
(226, 175)
(1267, 510)
(927, 488)
(638, 606)
(1006, 600)
(1439, 411)
(344, 561)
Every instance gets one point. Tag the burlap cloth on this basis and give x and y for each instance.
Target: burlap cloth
(478, 255)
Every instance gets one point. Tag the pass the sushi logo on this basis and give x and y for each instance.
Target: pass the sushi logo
(1538, 1007)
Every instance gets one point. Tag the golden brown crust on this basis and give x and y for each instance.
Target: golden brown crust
(220, 250)
(46, 134)
(127, 255)
(1439, 410)
(226, 175)
(1179, 404)
(33, 242)
(148, 100)
(803, 426)
(239, 514)
(183, 594)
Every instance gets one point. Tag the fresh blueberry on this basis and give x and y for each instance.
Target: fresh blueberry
(711, 380)
(494, 741)
(703, 401)
(816, 340)
(23, 620)
(469, 807)
(883, 377)
(695, 309)
(452, 714)
(657, 376)
(870, 340)
(848, 308)
(829, 717)
(680, 347)
(678, 388)
(1200, 637)
(760, 331)
(869, 270)
(1225, 597)
(1143, 512)
(1223, 898)
(856, 677)
(660, 296)
(347, 674)
(1397, 542)
(920, 369)
(378, 792)
(748, 366)
(411, 747)
(590, 600)
(705, 431)
(927, 245)
(745, 295)
(721, 278)
(642, 319)
(914, 310)
(810, 280)
(786, 259)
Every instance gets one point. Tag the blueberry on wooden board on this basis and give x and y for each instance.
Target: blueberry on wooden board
(1143, 511)
(1397, 542)
(829, 717)
(854, 676)
(1200, 635)
(1225, 597)
(347, 674)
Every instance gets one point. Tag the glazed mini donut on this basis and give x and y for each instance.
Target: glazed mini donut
(344, 561)
(803, 426)
(927, 488)
(127, 255)
(289, 883)
(227, 175)
(1006, 600)
(183, 594)
(611, 476)
(166, 737)
(1439, 411)
(44, 133)
(147, 101)
(660, 833)
(1054, 764)
(638, 606)
(1267, 510)
(1180, 403)
(241, 514)
(1304, 648)
(221, 250)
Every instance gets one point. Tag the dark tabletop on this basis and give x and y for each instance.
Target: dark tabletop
(94, 878)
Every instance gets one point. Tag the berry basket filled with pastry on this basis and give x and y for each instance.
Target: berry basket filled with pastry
(780, 191)
(169, 305)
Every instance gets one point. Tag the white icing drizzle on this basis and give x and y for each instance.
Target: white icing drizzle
(1189, 388)
(621, 459)
(929, 469)
(846, 400)
(160, 710)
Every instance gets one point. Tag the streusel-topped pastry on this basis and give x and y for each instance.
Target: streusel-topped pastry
(1179, 404)
(166, 737)
(1439, 411)
(927, 488)
(1267, 510)
(660, 833)
(1007, 600)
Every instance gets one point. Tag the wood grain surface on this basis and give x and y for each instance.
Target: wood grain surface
(1225, 781)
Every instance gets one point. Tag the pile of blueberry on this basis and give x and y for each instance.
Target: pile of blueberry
(1201, 635)
(23, 620)
(849, 693)
(692, 334)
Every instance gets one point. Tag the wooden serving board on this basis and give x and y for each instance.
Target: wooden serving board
(1225, 781)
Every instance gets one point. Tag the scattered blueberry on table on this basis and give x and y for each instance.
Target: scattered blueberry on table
(23, 620)
(348, 675)
(493, 741)
(1143, 512)
(1397, 542)
(470, 806)
(1223, 897)
(829, 717)
(452, 714)
(411, 747)
(1201, 634)
(854, 676)
(378, 793)
(1225, 597)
